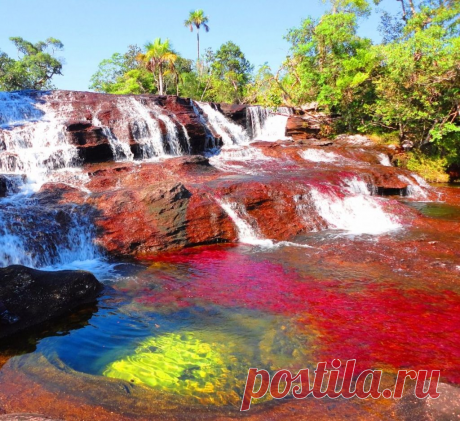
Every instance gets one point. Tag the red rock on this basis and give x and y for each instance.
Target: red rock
(299, 128)
(82, 112)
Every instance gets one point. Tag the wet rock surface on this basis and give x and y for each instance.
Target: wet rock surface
(91, 118)
(29, 296)
(144, 208)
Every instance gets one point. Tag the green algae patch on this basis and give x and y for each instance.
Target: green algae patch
(183, 364)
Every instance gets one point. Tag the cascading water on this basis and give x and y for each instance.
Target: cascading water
(267, 124)
(35, 150)
(384, 160)
(353, 210)
(246, 233)
(416, 189)
(232, 134)
(33, 140)
(158, 135)
(18, 108)
(211, 143)
(121, 150)
(145, 129)
(356, 185)
(317, 155)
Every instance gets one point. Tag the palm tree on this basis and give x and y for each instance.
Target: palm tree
(158, 57)
(197, 18)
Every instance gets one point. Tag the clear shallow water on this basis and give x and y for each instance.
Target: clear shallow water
(437, 210)
(190, 324)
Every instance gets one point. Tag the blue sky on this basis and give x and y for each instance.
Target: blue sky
(92, 30)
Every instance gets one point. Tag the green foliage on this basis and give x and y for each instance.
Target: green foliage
(110, 70)
(231, 72)
(197, 19)
(332, 65)
(34, 69)
(409, 84)
(159, 59)
(357, 7)
(418, 86)
(138, 71)
(265, 90)
(431, 167)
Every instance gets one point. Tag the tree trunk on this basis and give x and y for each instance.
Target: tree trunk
(404, 15)
(412, 8)
(198, 43)
(160, 78)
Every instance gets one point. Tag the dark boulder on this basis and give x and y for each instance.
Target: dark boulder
(29, 297)
(235, 112)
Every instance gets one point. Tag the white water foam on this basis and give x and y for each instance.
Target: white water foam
(357, 213)
(17, 108)
(121, 150)
(267, 124)
(318, 155)
(384, 160)
(415, 190)
(35, 148)
(356, 185)
(231, 133)
(246, 233)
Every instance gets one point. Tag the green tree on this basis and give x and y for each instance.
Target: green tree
(266, 89)
(418, 89)
(197, 19)
(158, 59)
(332, 65)
(357, 7)
(111, 70)
(230, 74)
(35, 67)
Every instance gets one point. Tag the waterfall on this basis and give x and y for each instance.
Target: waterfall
(17, 108)
(246, 233)
(352, 212)
(33, 140)
(267, 124)
(416, 189)
(158, 134)
(232, 134)
(210, 139)
(356, 185)
(145, 129)
(37, 235)
(121, 150)
(34, 149)
(257, 117)
(384, 160)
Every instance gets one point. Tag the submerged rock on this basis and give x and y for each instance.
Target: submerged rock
(10, 183)
(29, 296)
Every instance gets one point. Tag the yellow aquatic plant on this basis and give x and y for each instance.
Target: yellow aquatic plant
(183, 364)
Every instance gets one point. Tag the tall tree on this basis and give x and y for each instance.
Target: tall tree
(35, 67)
(158, 58)
(197, 19)
(231, 73)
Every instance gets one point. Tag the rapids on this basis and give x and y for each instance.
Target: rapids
(263, 252)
